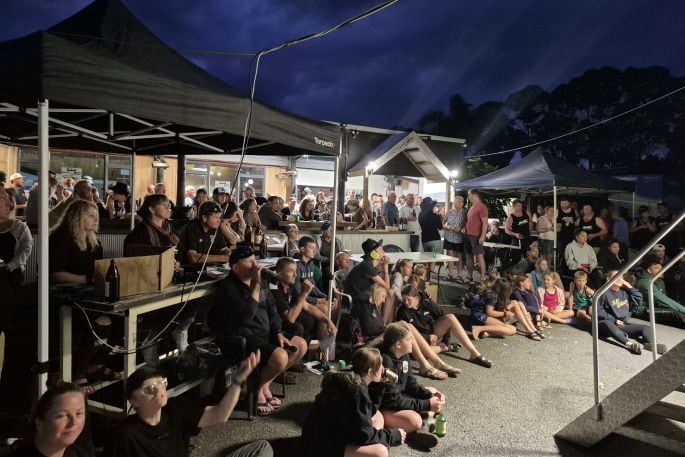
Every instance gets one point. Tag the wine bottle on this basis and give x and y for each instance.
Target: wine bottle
(112, 282)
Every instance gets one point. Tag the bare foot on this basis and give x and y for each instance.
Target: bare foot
(477, 334)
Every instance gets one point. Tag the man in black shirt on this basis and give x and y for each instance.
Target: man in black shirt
(269, 213)
(363, 275)
(198, 235)
(293, 307)
(241, 309)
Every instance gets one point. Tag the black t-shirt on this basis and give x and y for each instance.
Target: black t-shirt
(65, 255)
(430, 224)
(7, 244)
(360, 279)
(568, 226)
(82, 447)
(169, 438)
(194, 238)
(269, 217)
(520, 224)
(284, 300)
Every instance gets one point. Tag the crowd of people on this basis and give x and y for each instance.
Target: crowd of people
(265, 322)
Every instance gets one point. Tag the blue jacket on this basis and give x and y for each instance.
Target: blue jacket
(614, 306)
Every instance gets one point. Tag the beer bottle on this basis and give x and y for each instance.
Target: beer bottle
(257, 236)
(440, 425)
(263, 247)
(112, 282)
(249, 237)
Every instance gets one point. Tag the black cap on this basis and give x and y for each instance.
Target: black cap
(119, 188)
(242, 251)
(369, 245)
(209, 207)
(219, 190)
(139, 376)
(325, 226)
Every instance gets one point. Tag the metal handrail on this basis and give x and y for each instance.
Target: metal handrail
(652, 317)
(595, 299)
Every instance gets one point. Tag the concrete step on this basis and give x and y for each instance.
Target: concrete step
(668, 410)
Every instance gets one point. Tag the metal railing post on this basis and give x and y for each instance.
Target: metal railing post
(595, 300)
(652, 316)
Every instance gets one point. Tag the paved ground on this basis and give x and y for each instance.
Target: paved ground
(512, 409)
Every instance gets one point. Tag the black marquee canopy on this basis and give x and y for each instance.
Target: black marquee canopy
(114, 86)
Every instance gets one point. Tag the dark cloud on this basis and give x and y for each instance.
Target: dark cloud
(393, 67)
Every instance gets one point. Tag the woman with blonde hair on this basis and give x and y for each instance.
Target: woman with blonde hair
(74, 248)
(343, 420)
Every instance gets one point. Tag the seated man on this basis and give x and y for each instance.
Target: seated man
(293, 307)
(241, 309)
(270, 214)
(527, 264)
(366, 273)
(667, 310)
(305, 271)
(613, 313)
(197, 236)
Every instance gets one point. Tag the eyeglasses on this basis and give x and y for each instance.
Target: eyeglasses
(152, 390)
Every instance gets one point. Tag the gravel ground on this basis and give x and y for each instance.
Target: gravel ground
(512, 409)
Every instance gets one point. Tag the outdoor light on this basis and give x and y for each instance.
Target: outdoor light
(454, 174)
(370, 167)
(159, 164)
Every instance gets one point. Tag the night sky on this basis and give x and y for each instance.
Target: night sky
(410, 58)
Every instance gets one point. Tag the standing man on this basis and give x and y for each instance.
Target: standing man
(476, 228)
(220, 196)
(410, 212)
(248, 192)
(390, 212)
(566, 223)
(190, 195)
(518, 226)
(17, 182)
(160, 189)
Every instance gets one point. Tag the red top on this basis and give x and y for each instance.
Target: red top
(474, 223)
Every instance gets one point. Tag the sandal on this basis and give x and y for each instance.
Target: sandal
(274, 402)
(451, 347)
(533, 336)
(540, 334)
(634, 348)
(434, 374)
(266, 409)
(451, 371)
(482, 361)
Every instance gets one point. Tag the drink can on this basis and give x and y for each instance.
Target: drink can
(342, 365)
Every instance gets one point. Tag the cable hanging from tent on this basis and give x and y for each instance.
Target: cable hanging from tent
(246, 138)
(573, 132)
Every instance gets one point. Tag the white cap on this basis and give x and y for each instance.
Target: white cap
(15, 176)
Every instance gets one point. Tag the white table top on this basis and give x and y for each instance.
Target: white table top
(416, 257)
(500, 246)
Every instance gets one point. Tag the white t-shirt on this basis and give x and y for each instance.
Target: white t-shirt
(408, 211)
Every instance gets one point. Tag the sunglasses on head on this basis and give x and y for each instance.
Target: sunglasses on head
(153, 389)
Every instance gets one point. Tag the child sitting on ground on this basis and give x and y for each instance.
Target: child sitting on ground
(524, 292)
(402, 402)
(552, 298)
(343, 419)
(580, 296)
(420, 270)
(492, 309)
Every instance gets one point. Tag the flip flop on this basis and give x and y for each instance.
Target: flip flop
(265, 412)
(274, 402)
(434, 374)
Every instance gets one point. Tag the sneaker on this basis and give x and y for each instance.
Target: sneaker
(180, 337)
(421, 440)
(660, 348)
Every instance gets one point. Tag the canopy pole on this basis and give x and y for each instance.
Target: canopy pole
(133, 190)
(633, 213)
(554, 222)
(44, 248)
(334, 223)
(181, 180)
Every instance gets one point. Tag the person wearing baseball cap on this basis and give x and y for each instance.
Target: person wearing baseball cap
(163, 425)
(201, 239)
(241, 308)
(17, 182)
(365, 274)
(220, 195)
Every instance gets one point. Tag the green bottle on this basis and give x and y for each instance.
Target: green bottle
(440, 425)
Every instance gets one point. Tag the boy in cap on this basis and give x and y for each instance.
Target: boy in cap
(202, 232)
